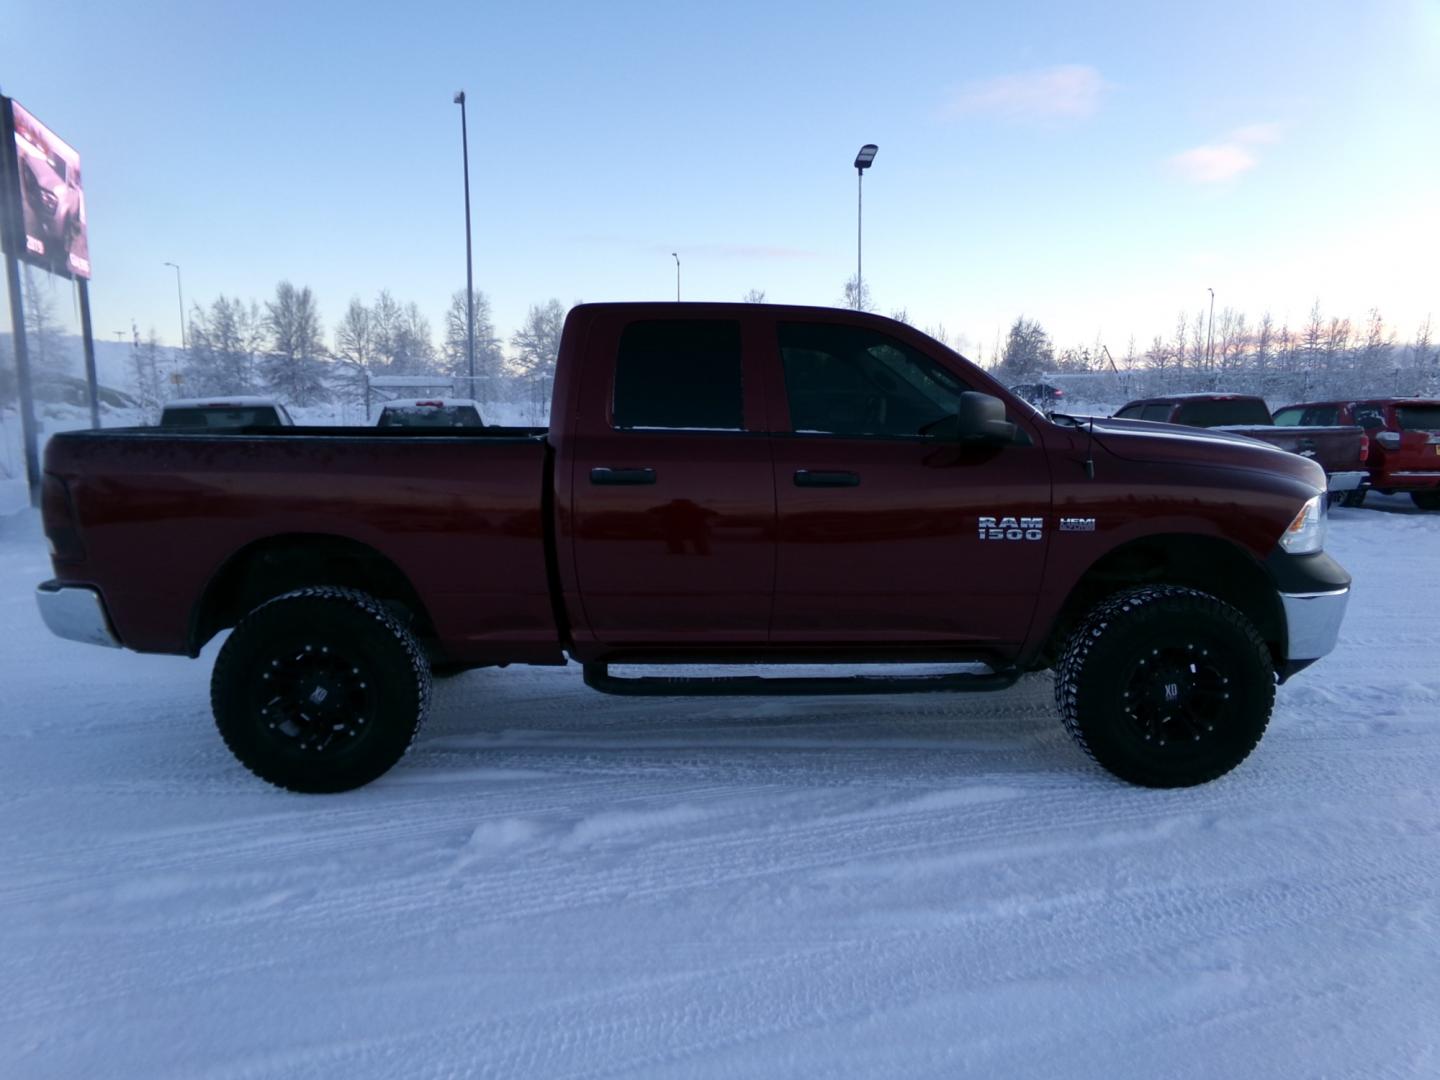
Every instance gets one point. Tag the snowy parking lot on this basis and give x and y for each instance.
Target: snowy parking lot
(555, 883)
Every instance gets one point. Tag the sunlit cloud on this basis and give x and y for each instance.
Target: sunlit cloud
(1066, 91)
(1224, 161)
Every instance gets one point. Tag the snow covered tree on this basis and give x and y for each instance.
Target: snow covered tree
(754, 296)
(1375, 352)
(401, 338)
(489, 359)
(857, 295)
(535, 348)
(43, 343)
(1028, 350)
(147, 381)
(1231, 340)
(354, 353)
(294, 367)
(1264, 354)
(1161, 355)
(225, 345)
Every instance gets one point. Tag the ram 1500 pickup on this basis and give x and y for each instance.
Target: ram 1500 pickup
(720, 483)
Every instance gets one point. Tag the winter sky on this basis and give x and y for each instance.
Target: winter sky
(1095, 166)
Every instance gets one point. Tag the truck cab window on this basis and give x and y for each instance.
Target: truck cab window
(679, 374)
(851, 380)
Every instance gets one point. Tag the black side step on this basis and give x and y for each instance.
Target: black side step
(598, 677)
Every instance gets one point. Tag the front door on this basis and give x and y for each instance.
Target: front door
(888, 536)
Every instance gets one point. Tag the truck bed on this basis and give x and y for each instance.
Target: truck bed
(460, 513)
(1337, 450)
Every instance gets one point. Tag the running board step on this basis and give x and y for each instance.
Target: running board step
(598, 677)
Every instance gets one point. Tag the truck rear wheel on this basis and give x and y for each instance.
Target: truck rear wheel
(1166, 686)
(1426, 500)
(320, 690)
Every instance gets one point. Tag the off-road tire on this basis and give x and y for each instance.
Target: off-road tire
(320, 690)
(1426, 500)
(1119, 664)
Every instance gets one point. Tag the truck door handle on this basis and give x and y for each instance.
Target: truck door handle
(814, 478)
(603, 474)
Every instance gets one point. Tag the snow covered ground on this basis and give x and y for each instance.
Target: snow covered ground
(558, 884)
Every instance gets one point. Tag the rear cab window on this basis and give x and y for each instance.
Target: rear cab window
(679, 375)
(1159, 414)
(1235, 411)
(430, 416)
(261, 416)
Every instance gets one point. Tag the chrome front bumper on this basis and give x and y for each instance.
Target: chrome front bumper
(75, 613)
(1313, 622)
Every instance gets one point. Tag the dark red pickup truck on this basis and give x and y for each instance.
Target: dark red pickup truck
(1341, 450)
(720, 483)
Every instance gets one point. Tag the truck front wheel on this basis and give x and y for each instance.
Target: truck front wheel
(1166, 686)
(1426, 500)
(320, 690)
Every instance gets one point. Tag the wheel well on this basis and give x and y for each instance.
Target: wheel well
(276, 565)
(1214, 566)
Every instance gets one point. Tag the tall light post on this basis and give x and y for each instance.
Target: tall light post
(676, 256)
(469, 263)
(1210, 333)
(863, 160)
(180, 293)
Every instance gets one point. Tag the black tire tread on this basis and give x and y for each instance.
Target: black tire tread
(354, 600)
(1124, 605)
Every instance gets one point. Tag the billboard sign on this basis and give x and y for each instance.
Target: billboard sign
(51, 230)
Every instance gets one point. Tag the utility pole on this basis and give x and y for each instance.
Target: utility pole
(9, 218)
(1210, 335)
(469, 262)
(863, 160)
(184, 346)
(676, 257)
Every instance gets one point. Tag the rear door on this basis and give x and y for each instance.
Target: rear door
(889, 537)
(673, 504)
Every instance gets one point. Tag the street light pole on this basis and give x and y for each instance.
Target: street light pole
(863, 160)
(1210, 333)
(676, 256)
(180, 293)
(469, 263)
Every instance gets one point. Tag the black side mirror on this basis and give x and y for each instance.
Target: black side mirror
(981, 418)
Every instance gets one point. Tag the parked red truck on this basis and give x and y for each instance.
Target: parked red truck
(1404, 436)
(719, 484)
(1341, 450)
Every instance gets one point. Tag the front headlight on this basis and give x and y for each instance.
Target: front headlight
(1306, 534)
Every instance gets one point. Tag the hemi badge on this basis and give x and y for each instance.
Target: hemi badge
(1068, 524)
